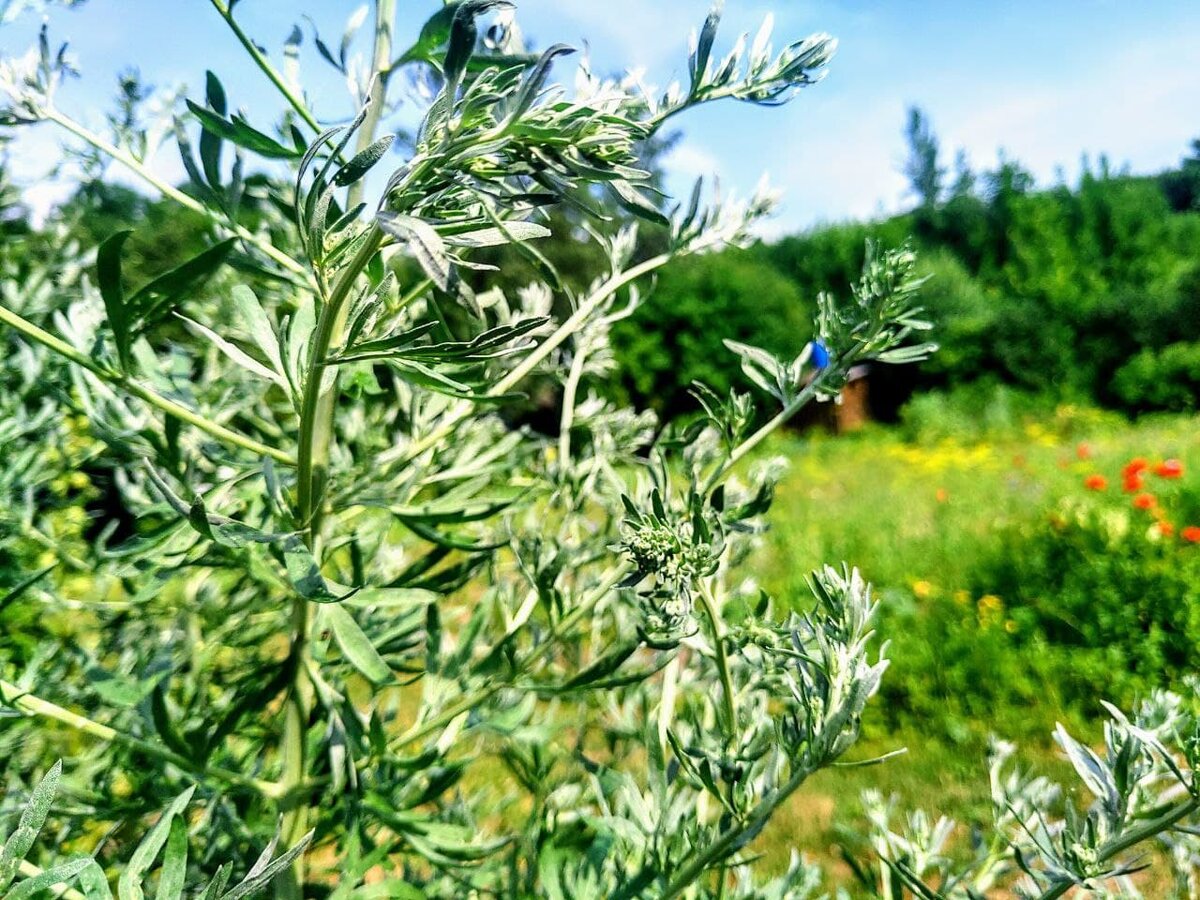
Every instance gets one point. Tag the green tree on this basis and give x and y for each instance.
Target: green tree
(922, 168)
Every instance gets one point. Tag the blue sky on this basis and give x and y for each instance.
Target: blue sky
(1047, 82)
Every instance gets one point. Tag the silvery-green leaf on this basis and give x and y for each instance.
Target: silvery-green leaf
(235, 353)
(60, 874)
(33, 816)
(491, 236)
(266, 875)
(174, 868)
(129, 886)
(355, 645)
(424, 242)
(362, 162)
(258, 325)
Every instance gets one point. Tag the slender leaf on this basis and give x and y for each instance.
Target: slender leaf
(164, 294)
(129, 886)
(174, 869)
(238, 131)
(30, 823)
(108, 279)
(60, 874)
(355, 645)
(265, 876)
(363, 161)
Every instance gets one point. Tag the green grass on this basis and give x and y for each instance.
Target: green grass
(917, 515)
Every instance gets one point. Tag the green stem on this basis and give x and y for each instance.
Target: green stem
(576, 321)
(316, 410)
(172, 193)
(264, 64)
(316, 434)
(717, 628)
(463, 409)
(32, 705)
(72, 561)
(570, 395)
(385, 26)
(743, 449)
(62, 348)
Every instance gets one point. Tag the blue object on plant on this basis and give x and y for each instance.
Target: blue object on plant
(820, 355)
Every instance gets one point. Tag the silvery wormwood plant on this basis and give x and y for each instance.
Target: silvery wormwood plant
(348, 610)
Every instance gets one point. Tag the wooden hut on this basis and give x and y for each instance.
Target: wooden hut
(851, 411)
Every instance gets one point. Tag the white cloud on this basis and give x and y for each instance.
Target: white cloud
(831, 166)
(691, 161)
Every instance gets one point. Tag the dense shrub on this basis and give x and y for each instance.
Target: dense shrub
(971, 412)
(1161, 379)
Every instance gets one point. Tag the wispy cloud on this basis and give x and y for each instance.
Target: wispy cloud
(687, 159)
(1138, 106)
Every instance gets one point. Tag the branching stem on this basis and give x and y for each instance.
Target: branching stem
(32, 705)
(462, 410)
(260, 60)
(65, 350)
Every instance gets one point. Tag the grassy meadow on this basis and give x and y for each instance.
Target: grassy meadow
(926, 510)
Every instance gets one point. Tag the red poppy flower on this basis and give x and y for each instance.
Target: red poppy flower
(1084, 450)
(1133, 482)
(1095, 482)
(1145, 501)
(1166, 529)
(1191, 534)
(1135, 466)
(942, 495)
(1169, 468)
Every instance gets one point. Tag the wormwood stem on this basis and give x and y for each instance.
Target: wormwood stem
(33, 705)
(172, 193)
(385, 24)
(570, 394)
(577, 320)
(264, 64)
(718, 638)
(316, 412)
(743, 449)
(65, 350)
